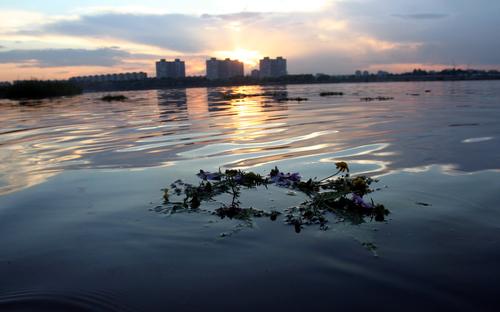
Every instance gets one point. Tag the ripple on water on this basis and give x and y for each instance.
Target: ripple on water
(63, 301)
(156, 127)
(477, 140)
(221, 148)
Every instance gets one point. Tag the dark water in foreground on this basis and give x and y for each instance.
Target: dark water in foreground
(79, 177)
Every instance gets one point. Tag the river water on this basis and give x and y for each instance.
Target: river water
(80, 181)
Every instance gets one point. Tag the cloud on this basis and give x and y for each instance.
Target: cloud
(463, 32)
(189, 34)
(176, 32)
(12, 20)
(65, 57)
(343, 36)
(421, 16)
(240, 16)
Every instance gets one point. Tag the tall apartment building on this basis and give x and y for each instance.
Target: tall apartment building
(272, 67)
(175, 69)
(224, 69)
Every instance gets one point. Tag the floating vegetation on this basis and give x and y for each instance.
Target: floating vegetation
(331, 94)
(472, 124)
(339, 195)
(371, 247)
(423, 204)
(275, 94)
(297, 99)
(378, 98)
(111, 98)
(237, 96)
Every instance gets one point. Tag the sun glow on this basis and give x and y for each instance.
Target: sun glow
(248, 57)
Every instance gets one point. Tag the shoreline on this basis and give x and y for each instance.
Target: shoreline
(202, 82)
(158, 84)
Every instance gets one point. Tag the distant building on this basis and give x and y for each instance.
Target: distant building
(255, 73)
(175, 69)
(358, 73)
(212, 69)
(111, 77)
(4, 84)
(224, 69)
(382, 73)
(272, 67)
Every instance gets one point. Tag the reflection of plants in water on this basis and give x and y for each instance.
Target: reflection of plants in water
(341, 197)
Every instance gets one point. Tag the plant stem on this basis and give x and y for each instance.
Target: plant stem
(330, 176)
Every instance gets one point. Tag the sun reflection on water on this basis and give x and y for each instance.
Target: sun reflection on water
(178, 126)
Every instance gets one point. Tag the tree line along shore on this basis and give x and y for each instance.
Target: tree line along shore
(38, 89)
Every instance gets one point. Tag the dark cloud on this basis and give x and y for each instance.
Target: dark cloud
(464, 32)
(64, 57)
(176, 32)
(2, 47)
(421, 16)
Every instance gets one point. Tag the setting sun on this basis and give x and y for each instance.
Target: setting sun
(248, 57)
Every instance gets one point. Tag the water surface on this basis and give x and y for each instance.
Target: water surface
(79, 179)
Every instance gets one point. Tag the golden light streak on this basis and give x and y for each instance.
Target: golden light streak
(248, 57)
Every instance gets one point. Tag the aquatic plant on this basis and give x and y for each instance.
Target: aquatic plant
(39, 89)
(295, 99)
(111, 98)
(229, 95)
(236, 96)
(3, 90)
(278, 96)
(331, 94)
(342, 197)
(378, 98)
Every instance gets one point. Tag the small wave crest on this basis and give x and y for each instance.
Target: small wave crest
(55, 301)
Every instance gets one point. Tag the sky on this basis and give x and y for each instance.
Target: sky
(65, 38)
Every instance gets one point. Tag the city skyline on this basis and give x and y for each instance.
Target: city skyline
(215, 69)
(66, 38)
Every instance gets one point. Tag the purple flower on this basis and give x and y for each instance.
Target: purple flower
(238, 178)
(358, 200)
(295, 177)
(212, 176)
(285, 179)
